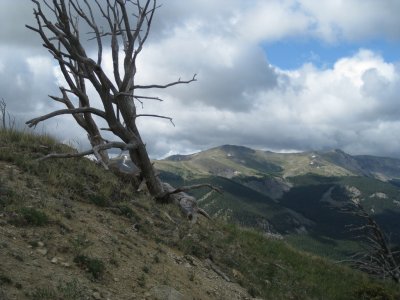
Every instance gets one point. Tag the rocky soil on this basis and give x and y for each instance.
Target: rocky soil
(121, 256)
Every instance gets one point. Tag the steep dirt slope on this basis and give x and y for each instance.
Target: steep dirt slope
(43, 236)
(71, 230)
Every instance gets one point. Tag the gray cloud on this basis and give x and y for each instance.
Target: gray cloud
(25, 80)
(239, 97)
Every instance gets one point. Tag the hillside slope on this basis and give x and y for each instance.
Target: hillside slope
(71, 230)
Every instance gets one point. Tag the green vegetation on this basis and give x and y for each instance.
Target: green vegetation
(93, 266)
(32, 216)
(274, 270)
(80, 243)
(4, 279)
(43, 294)
(269, 269)
(76, 176)
(373, 292)
(70, 290)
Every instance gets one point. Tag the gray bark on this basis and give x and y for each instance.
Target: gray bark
(59, 28)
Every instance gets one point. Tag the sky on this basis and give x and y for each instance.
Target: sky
(280, 75)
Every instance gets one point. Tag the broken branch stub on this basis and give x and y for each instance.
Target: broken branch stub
(188, 204)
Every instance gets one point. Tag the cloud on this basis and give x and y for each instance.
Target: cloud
(25, 80)
(353, 19)
(14, 15)
(229, 73)
(271, 21)
(353, 105)
(239, 98)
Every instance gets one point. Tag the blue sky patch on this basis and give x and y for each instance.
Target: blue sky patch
(291, 54)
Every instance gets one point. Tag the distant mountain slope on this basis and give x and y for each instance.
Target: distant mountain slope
(229, 161)
(382, 168)
(292, 193)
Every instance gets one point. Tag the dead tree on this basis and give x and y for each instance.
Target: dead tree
(4, 115)
(377, 259)
(3, 111)
(127, 27)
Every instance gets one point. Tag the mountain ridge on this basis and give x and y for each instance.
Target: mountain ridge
(298, 193)
(379, 167)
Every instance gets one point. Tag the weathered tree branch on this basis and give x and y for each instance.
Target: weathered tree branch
(157, 86)
(378, 258)
(95, 150)
(156, 116)
(35, 121)
(194, 187)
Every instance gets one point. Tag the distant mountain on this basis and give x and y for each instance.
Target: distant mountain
(295, 194)
(230, 161)
(382, 168)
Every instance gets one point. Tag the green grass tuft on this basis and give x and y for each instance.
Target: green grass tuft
(28, 216)
(93, 266)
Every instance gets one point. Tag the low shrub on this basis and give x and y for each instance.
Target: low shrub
(30, 216)
(93, 266)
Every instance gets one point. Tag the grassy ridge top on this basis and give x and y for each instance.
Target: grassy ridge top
(229, 161)
(85, 233)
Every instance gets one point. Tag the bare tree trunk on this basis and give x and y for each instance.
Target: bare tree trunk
(3, 111)
(59, 27)
(95, 139)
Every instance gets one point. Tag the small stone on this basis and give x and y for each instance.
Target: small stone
(54, 260)
(237, 274)
(36, 263)
(40, 244)
(42, 251)
(116, 279)
(162, 292)
(65, 264)
(96, 295)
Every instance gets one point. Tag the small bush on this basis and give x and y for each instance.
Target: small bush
(99, 200)
(43, 294)
(193, 247)
(127, 212)
(71, 290)
(93, 266)
(253, 291)
(80, 243)
(142, 281)
(4, 279)
(6, 195)
(372, 292)
(192, 275)
(146, 269)
(31, 216)
(157, 259)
